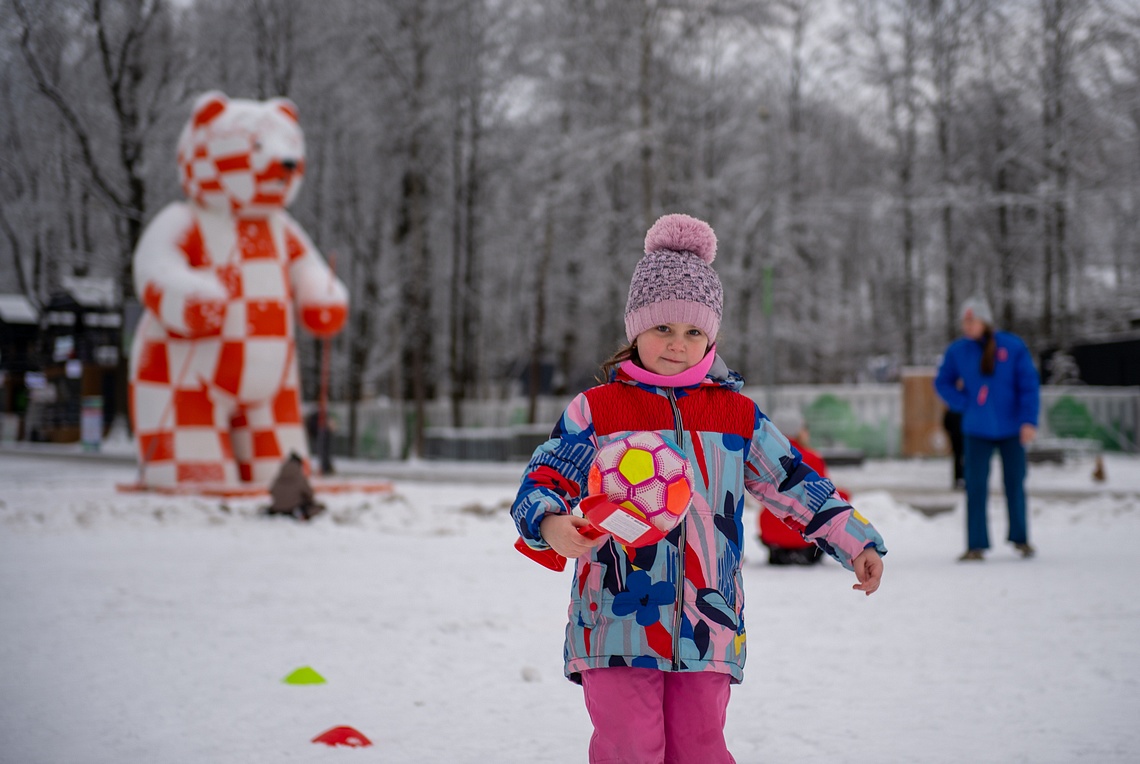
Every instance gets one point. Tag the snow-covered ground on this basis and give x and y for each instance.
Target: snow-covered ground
(146, 628)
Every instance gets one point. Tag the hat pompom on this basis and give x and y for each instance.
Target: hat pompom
(682, 233)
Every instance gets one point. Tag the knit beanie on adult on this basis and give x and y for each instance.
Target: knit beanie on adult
(980, 308)
(674, 282)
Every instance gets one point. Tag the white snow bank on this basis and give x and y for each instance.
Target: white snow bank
(146, 628)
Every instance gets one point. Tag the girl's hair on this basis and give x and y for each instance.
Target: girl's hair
(989, 353)
(627, 352)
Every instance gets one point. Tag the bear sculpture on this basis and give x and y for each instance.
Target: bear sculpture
(223, 278)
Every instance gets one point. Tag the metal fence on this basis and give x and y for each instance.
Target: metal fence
(494, 431)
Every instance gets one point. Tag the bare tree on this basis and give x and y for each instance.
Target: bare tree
(1001, 186)
(797, 140)
(136, 54)
(274, 25)
(136, 59)
(467, 182)
(1118, 68)
(17, 181)
(946, 21)
(1060, 21)
(646, 29)
(895, 70)
(409, 64)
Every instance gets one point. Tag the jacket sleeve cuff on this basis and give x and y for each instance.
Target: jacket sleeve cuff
(532, 511)
(849, 539)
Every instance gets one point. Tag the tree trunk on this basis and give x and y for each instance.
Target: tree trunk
(366, 269)
(945, 34)
(274, 23)
(1059, 19)
(537, 347)
(645, 113)
(472, 288)
(418, 331)
(912, 287)
(17, 259)
(456, 317)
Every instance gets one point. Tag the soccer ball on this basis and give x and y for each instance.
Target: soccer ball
(649, 479)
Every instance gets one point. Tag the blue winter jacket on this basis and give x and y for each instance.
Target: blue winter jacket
(993, 406)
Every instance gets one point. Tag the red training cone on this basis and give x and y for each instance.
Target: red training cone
(343, 736)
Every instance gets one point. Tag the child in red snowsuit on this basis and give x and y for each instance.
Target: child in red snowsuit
(785, 545)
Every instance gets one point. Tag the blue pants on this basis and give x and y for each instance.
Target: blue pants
(977, 464)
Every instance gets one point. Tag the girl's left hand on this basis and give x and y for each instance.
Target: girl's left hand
(869, 571)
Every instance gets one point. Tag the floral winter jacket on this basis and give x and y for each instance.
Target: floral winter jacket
(678, 605)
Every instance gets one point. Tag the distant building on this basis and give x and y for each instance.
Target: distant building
(19, 335)
(1112, 360)
(78, 352)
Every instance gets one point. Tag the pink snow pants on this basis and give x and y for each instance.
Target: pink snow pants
(646, 716)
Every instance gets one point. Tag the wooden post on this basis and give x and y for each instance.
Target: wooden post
(922, 431)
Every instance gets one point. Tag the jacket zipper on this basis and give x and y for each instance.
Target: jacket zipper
(679, 436)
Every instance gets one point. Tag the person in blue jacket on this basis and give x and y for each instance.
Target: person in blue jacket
(990, 378)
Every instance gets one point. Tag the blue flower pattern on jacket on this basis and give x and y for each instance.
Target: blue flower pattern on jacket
(644, 598)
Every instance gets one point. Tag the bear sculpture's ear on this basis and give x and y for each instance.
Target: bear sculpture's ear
(208, 106)
(287, 107)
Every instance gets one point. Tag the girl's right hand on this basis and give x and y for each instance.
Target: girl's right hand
(561, 532)
(869, 570)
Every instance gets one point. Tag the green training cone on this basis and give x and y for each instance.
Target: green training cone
(304, 675)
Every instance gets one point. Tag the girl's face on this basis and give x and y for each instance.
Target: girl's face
(671, 348)
(972, 326)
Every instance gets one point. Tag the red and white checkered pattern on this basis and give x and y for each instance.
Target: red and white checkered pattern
(214, 384)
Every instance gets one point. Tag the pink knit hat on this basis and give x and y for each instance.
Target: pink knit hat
(674, 282)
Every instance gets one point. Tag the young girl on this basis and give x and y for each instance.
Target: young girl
(656, 634)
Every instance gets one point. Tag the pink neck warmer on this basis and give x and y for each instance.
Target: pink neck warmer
(690, 376)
